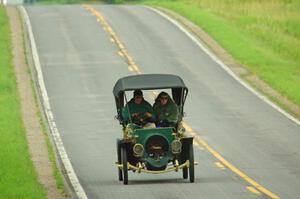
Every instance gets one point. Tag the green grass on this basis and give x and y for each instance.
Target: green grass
(264, 36)
(56, 172)
(18, 178)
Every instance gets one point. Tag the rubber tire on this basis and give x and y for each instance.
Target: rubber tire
(192, 166)
(185, 173)
(124, 162)
(120, 173)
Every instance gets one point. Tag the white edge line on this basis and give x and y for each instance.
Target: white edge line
(225, 67)
(46, 105)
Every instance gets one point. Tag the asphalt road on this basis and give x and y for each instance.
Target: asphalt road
(80, 65)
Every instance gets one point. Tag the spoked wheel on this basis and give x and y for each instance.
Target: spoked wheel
(120, 174)
(125, 168)
(185, 173)
(191, 160)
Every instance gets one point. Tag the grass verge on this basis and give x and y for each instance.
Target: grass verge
(56, 172)
(264, 36)
(18, 178)
(58, 176)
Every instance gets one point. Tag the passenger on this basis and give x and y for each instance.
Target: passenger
(140, 110)
(166, 110)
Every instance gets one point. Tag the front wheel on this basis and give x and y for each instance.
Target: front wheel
(124, 163)
(192, 165)
(185, 173)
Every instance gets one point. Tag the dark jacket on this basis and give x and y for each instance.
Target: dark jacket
(137, 108)
(168, 112)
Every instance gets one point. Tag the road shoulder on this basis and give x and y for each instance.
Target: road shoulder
(34, 134)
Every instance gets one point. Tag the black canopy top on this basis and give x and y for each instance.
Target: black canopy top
(147, 82)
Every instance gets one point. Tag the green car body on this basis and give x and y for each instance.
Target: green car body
(142, 137)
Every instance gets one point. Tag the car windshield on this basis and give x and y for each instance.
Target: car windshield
(150, 108)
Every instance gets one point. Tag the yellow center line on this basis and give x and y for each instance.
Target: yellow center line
(133, 67)
(219, 165)
(120, 54)
(229, 165)
(253, 190)
(112, 40)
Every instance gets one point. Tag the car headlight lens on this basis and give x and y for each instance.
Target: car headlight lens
(176, 146)
(138, 150)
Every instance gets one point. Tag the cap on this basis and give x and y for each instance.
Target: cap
(137, 93)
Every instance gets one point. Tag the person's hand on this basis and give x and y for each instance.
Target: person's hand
(135, 115)
(148, 115)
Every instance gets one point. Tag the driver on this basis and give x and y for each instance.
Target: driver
(140, 110)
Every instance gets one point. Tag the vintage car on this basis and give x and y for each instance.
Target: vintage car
(153, 150)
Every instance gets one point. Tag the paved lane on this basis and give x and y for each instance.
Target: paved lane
(80, 66)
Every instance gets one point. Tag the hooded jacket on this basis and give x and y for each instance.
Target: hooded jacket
(168, 112)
